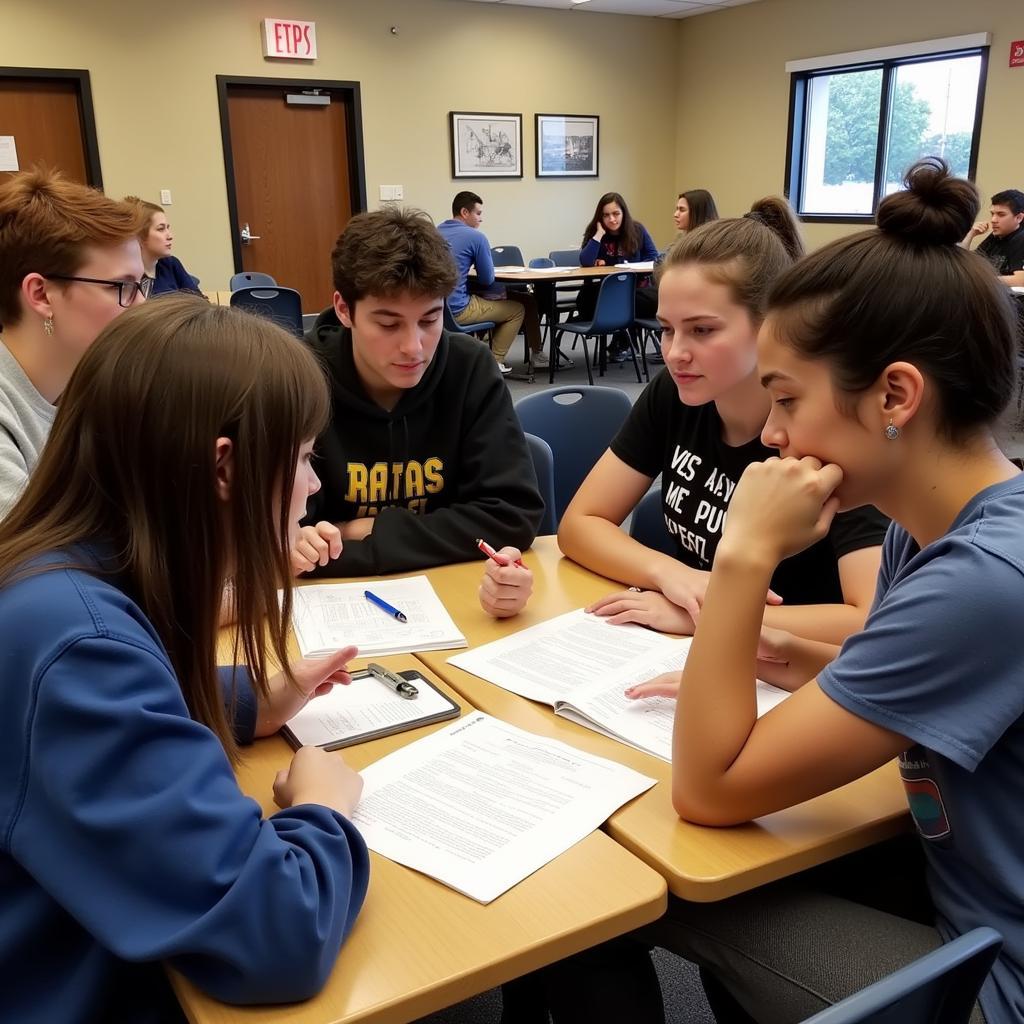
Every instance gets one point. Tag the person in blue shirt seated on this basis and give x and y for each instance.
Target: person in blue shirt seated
(477, 299)
(611, 237)
(125, 842)
(156, 240)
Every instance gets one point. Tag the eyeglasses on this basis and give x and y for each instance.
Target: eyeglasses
(126, 290)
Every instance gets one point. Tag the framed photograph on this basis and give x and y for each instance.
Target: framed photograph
(567, 145)
(486, 145)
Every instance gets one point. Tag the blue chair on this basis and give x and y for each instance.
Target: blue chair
(578, 423)
(613, 313)
(253, 280)
(565, 257)
(485, 327)
(544, 467)
(507, 256)
(648, 524)
(282, 305)
(939, 988)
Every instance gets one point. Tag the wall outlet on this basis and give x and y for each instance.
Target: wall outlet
(165, 196)
(389, 193)
(399, 192)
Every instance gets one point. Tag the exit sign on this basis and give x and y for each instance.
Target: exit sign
(289, 39)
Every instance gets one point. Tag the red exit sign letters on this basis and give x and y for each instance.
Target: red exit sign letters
(289, 39)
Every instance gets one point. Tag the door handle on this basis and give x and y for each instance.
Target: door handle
(248, 237)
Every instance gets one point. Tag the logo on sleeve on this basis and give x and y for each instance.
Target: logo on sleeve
(924, 797)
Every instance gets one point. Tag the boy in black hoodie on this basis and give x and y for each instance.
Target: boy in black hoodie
(423, 453)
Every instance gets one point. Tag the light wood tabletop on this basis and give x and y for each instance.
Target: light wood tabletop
(699, 863)
(419, 946)
(509, 275)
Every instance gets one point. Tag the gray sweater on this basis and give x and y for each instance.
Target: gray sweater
(25, 421)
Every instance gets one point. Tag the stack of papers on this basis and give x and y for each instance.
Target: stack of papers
(581, 665)
(481, 805)
(329, 616)
(641, 265)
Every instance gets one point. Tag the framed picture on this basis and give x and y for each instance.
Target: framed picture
(567, 145)
(486, 145)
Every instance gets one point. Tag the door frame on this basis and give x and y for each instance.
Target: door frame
(350, 91)
(89, 138)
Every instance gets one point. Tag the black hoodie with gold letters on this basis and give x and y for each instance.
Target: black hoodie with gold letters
(447, 465)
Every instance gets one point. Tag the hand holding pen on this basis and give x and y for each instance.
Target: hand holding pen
(507, 582)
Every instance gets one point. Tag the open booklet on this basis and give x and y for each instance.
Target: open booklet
(480, 805)
(580, 664)
(329, 616)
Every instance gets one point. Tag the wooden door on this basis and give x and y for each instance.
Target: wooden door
(292, 180)
(45, 117)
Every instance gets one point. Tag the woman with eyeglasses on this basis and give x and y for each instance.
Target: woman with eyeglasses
(69, 264)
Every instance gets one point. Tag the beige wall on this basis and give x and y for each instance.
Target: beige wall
(158, 123)
(734, 90)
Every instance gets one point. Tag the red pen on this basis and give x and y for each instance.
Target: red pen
(491, 553)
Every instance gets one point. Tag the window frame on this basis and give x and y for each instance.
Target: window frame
(799, 98)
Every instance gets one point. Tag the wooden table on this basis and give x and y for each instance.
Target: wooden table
(419, 946)
(699, 863)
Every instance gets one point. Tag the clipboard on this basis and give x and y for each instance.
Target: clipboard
(366, 710)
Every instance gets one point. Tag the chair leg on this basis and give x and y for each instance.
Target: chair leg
(586, 357)
(632, 351)
(554, 353)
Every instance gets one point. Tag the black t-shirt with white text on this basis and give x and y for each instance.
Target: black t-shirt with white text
(699, 474)
(1006, 254)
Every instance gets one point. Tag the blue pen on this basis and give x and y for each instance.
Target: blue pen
(384, 606)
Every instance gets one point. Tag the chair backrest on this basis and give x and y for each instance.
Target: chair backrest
(282, 305)
(541, 263)
(615, 304)
(648, 524)
(253, 280)
(507, 256)
(565, 257)
(939, 988)
(578, 423)
(544, 467)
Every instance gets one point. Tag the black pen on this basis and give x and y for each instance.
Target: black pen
(401, 686)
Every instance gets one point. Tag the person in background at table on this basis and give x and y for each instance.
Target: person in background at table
(424, 453)
(69, 264)
(611, 237)
(1004, 248)
(693, 209)
(156, 239)
(509, 308)
(699, 424)
(127, 844)
(867, 407)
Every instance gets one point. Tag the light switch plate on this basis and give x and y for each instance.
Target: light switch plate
(165, 196)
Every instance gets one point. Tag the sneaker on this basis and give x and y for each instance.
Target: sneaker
(618, 353)
(540, 359)
(564, 361)
(504, 370)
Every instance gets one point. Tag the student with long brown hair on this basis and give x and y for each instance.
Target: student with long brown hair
(180, 456)
(69, 264)
(699, 424)
(156, 239)
(694, 208)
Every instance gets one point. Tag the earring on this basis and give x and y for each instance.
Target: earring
(892, 431)
(48, 326)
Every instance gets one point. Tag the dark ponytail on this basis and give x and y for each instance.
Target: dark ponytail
(908, 292)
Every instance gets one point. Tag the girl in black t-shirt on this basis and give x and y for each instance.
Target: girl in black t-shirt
(699, 425)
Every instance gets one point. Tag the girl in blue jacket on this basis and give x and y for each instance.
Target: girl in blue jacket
(179, 458)
(611, 237)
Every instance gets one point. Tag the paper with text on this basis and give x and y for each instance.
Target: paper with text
(481, 805)
(329, 616)
(581, 664)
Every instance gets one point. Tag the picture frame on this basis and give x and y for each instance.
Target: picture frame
(568, 145)
(486, 145)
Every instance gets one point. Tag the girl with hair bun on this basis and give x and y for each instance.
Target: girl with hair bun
(888, 356)
(699, 424)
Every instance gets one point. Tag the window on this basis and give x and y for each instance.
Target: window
(856, 127)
